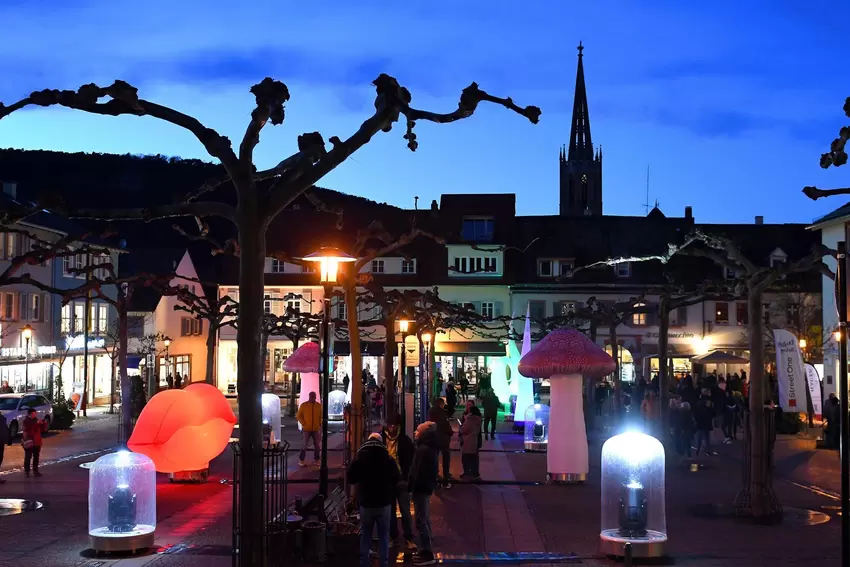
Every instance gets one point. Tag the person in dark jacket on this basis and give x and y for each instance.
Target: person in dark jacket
(451, 398)
(31, 440)
(469, 434)
(422, 483)
(400, 448)
(4, 440)
(376, 475)
(491, 404)
(440, 417)
(704, 413)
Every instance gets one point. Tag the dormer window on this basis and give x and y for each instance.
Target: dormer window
(478, 229)
(777, 258)
(408, 266)
(377, 266)
(544, 268)
(623, 270)
(549, 268)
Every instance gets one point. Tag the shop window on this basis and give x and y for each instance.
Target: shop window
(742, 314)
(408, 266)
(721, 313)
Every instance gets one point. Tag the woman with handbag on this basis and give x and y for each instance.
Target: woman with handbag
(31, 440)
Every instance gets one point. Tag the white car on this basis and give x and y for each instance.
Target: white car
(14, 408)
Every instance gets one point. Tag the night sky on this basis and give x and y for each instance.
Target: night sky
(730, 106)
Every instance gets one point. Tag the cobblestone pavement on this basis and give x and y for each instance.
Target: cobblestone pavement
(484, 524)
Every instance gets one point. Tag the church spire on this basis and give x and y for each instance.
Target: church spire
(581, 147)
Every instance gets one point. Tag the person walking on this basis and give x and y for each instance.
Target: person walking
(451, 398)
(345, 382)
(31, 441)
(440, 417)
(310, 418)
(730, 415)
(704, 417)
(401, 449)
(4, 440)
(376, 475)
(491, 404)
(470, 433)
(422, 482)
(464, 387)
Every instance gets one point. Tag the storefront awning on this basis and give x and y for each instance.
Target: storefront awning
(471, 347)
(720, 357)
(133, 361)
(367, 348)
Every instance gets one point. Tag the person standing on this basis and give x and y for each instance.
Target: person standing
(310, 418)
(440, 417)
(400, 447)
(704, 413)
(451, 398)
(345, 382)
(730, 415)
(32, 442)
(422, 482)
(4, 440)
(491, 404)
(464, 387)
(376, 475)
(470, 433)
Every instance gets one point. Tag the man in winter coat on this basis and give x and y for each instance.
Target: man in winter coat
(376, 475)
(704, 413)
(400, 448)
(310, 418)
(32, 429)
(469, 433)
(491, 404)
(440, 417)
(422, 482)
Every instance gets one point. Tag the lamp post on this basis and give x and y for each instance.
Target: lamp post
(167, 342)
(27, 334)
(403, 326)
(425, 380)
(329, 260)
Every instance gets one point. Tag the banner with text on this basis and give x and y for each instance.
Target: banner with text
(790, 372)
(814, 390)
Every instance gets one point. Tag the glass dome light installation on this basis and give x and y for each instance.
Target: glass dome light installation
(271, 416)
(633, 509)
(336, 405)
(536, 427)
(122, 502)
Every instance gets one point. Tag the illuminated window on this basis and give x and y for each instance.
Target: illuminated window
(639, 318)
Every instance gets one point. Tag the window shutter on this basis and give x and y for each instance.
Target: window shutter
(497, 309)
(23, 312)
(184, 326)
(45, 307)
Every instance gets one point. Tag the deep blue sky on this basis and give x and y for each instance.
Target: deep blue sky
(731, 106)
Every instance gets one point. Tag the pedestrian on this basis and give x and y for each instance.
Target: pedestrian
(379, 402)
(470, 433)
(169, 381)
(4, 440)
(832, 416)
(6, 389)
(401, 449)
(422, 482)
(704, 413)
(600, 393)
(310, 418)
(345, 382)
(649, 410)
(376, 475)
(730, 415)
(464, 387)
(491, 404)
(31, 441)
(440, 417)
(451, 398)
(178, 381)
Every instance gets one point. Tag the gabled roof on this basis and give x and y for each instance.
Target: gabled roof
(840, 213)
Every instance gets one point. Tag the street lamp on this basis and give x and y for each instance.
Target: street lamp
(27, 334)
(329, 260)
(425, 381)
(167, 342)
(401, 403)
(803, 344)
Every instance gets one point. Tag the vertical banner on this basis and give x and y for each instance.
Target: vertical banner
(77, 392)
(814, 390)
(790, 372)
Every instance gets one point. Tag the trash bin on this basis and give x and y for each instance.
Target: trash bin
(314, 534)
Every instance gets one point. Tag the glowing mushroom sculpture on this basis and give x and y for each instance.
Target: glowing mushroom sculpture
(305, 361)
(565, 356)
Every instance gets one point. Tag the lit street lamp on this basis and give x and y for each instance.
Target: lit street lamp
(803, 344)
(426, 378)
(27, 334)
(167, 342)
(329, 260)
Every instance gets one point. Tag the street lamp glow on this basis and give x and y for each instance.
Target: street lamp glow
(167, 342)
(426, 338)
(836, 335)
(403, 325)
(329, 260)
(803, 343)
(27, 332)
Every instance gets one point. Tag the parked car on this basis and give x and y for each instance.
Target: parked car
(14, 408)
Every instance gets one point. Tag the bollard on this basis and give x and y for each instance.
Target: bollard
(627, 555)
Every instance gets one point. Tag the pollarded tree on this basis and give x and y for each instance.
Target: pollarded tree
(256, 204)
(835, 157)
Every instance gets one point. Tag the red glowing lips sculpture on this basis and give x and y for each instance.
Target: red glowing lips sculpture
(183, 430)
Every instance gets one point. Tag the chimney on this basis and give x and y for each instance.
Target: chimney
(759, 219)
(689, 212)
(10, 188)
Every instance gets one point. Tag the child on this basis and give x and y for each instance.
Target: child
(470, 431)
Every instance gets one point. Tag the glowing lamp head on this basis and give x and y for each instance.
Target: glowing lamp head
(403, 325)
(426, 338)
(26, 332)
(836, 335)
(803, 343)
(167, 342)
(329, 260)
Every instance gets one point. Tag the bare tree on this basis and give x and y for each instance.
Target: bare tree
(835, 157)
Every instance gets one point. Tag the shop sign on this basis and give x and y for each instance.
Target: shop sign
(411, 351)
(77, 342)
(672, 336)
(18, 352)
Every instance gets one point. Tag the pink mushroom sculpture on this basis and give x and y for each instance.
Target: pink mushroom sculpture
(305, 361)
(565, 356)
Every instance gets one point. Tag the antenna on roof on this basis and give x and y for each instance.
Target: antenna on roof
(646, 203)
(416, 202)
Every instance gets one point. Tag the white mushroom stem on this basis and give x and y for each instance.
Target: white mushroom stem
(567, 448)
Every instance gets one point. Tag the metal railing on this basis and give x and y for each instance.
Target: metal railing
(274, 508)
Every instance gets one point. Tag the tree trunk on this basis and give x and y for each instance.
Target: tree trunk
(209, 373)
(350, 298)
(126, 388)
(759, 500)
(389, 373)
(292, 406)
(663, 367)
(249, 381)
